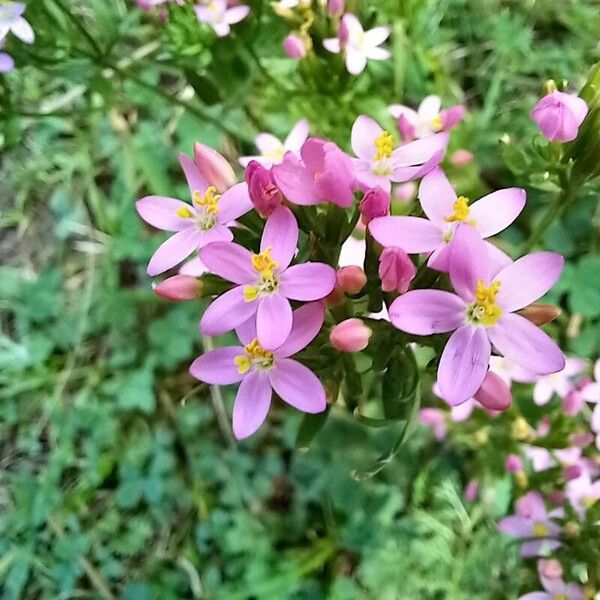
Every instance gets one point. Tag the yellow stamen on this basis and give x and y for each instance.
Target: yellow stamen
(461, 212)
(384, 145)
(184, 212)
(255, 356)
(484, 310)
(540, 530)
(242, 363)
(250, 293)
(436, 123)
(210, 200)
(263, 263)
(588, 501)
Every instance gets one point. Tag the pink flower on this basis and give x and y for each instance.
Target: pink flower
(213, 167)
(261, 371)
(445, 212)
(378, 163)
(202, 222)
(591, 391)
(375, 203)
(273, 150)
(219, 16)
(533, 523)
(357, 44)
(12, 20)
(396, 270)
(471, 490)
(550, 574)
(559, 115)
(513, 463)
(436, 419)
(558, 383)
(427, 119)
(325, 174)
(265, 195)
(265, 282)
(582, 492)
(294, 47)
(178, 288)
(351, 335)
(482, 313)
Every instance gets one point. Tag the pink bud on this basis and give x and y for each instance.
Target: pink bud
(405, 192)
(351, 335)
(572, 472)
(494, 394)
(351, 279)
(178, 288)
(406, 128)
(461, 158)
(396, 270)
(213, 167)
(557, 497)
(471, 490)
(513, 463)
(559, 115)
(344, 32)
(265, 195)
(375, 203)
(549, 568)
(294, 47)
(573, 403)
(335, 7)
(436, 419)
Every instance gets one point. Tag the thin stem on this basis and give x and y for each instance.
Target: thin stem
(79, 25)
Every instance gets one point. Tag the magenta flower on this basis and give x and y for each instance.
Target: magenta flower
(261, 371)
(265, 282)
(379, 163)
(445, 212)
(325, 174)
(272, 150)
(217, 14)
(12, 20)
(375, 203)
(482, 313)
(559, 115)
(533, 523)
(265, 195)
(558, 383)
(202, 222)
(427, 119)
(357, 44)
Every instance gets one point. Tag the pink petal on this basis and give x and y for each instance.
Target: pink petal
(539, 547)
(332, 45)
(521, 341)
(377, 53)
(376, 36)
(515, 525)
(364, 133)
(543, 392)
(412, 234)
(251, 404)
(398, 110)
(437, 196)
(420, 151)
(591, 392)
(246, 332)
(295, 181)
(355, 61)
(469, 261)
(236, 14)
(161, 212)
(439, 259)
(464, 364)
(496, 211)
(307, 282)
(171, 252)
(281, 236)
(227, 312)
(429, 108)
(532, 506)
(195, 181)
(297, 136)
(527, 279)
(194, 267)
(536, 596)
(229, 261)
(298, 386)
(217, 233)
(424, 312)
(218, 366)
(267, 143)
(494, 394)
(498, 258)
(234, 203)
(273, 321)
(307, 322)
(22, 29)
(221, 29)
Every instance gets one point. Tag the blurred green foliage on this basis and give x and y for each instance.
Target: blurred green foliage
(116, 479)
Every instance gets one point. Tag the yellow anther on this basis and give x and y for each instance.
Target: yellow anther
(540, 530)
(484, 310)
(461, 212)
(184, 212)
(250, 293)
(255, 356)
(263, 263)
(210, 200)
(436, 123)
(588, 501)
(384, 145)
(242, 363)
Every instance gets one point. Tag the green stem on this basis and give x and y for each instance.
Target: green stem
(79, 25)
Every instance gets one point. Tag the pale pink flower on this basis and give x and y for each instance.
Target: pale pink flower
(558, 383)
(378, 163)
(559, 115)
(481, 312)
(260, 371)
(583, 492)
(12, 20)
(427, 119)
(272, 150)
(294, 47)
(219, 16)
(265, 283)
(445, 212)
(357, 44)
(205, 220)
(550, 574)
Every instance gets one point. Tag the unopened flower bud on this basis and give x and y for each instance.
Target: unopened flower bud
(461, 158)
(513, 463)
(572, 472)
(350, 279)
(559, 115)
(396, 270)
(405, 192)
(178, 288)
(214, 167)
(375, 203)
(571, 529)
(540, 314)
(550, 568)
(335, 297)
(557, 497)
(494, 394)
(294, 46)
(351, 335)
(335, 7)
(265, 195)
(471, 490)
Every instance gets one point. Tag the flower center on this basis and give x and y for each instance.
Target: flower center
(384, 145)
(461, 212)
(540, 530)
(588, 501)
(208, 208)
(560, 597)
(484, 310)
(436, 123)
(267, 282)
(255, 356)
(276, 154)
